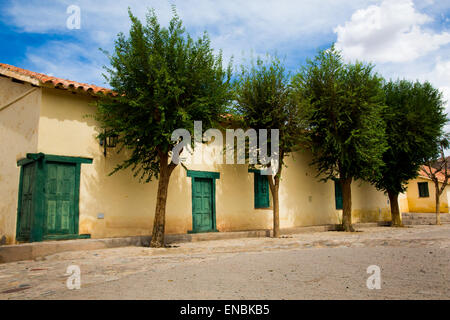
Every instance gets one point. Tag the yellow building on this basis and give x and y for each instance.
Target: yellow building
(54, 181)
(420, 196)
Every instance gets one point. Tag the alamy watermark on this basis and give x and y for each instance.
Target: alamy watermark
(257, 147)
(74, 280)
(74, 20)
(374, 281)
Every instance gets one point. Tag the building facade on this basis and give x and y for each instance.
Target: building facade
(55, 182)
(420, 196)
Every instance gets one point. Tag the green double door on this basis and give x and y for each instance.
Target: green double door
(202, 211)
(48, 201)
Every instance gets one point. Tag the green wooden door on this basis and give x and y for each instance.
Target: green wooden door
(338, 194)
(60, 199)
(202, 211)
(26, 207)
(261, 186)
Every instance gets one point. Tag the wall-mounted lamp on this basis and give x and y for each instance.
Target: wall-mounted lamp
(109, 141)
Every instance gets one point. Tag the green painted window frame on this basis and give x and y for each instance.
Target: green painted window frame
(41, 159)
(261, 201)
(204, 175)
(424, 191)
(31, 157)
(338, 198)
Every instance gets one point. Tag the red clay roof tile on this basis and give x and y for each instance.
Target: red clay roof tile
(423, 174)
(44, 79)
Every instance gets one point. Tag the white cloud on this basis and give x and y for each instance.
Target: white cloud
(394, 36)
(390, 32)
(272, 16)
(440, 76)
(282, 26)
(68, 61)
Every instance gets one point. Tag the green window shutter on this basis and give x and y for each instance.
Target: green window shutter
(261, 185)
(338, 195)
(423, 190)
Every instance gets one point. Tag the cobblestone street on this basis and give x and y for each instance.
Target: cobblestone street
(414, 262)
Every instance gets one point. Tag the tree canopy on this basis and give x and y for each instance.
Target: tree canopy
(345, 128)
(414, 119)
(163, 80)
(265, 100)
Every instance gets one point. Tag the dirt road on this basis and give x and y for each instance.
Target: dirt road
(414, 264)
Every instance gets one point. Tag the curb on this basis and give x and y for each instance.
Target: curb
(37, 250)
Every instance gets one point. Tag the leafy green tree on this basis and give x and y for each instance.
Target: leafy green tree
(264, 100)
(345, 128)
(163, 80)
(414, 120)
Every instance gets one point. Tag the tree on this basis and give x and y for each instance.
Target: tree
(163, 80)
(414, 120)
(437, 169)
(345, 129)
(264, 100)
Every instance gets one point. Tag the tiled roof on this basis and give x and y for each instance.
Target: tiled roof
(422, 173)
(40, 79)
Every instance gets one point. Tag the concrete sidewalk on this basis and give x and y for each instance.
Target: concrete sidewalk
(423, 218)
(38, 250)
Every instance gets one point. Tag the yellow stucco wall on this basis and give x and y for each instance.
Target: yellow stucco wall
(18, 136)
(368, 204)
(403, 202)
(128, 206)
(425, 205)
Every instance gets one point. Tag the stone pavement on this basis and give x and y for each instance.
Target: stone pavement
(415, 264)
(412, 218)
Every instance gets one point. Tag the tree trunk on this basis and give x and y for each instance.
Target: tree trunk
(395, 209)
(274, 183)
(438, 204)
(165, 170)
(346, 184)
(276, 212)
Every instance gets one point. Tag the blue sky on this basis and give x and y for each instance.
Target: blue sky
(403, 38)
